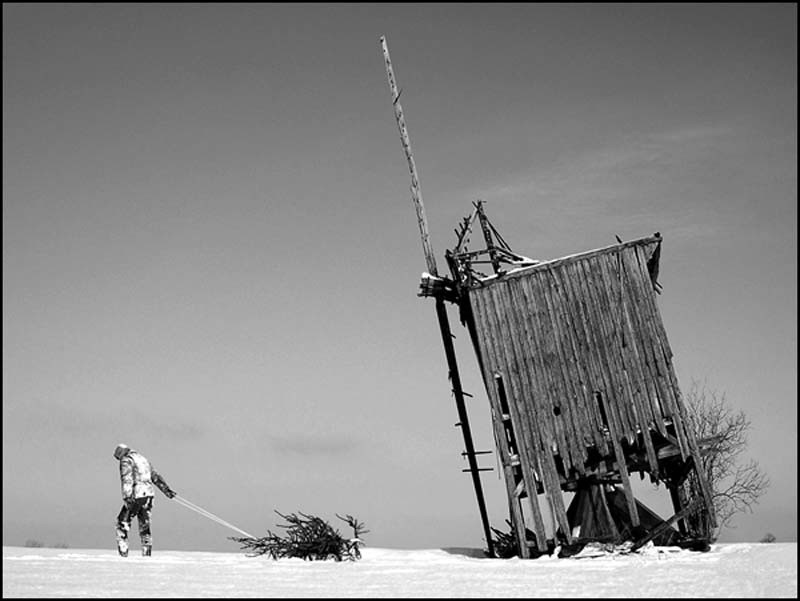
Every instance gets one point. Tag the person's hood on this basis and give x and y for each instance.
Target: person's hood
(121, 450)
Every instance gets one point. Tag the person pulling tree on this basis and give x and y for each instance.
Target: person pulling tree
(137, 477)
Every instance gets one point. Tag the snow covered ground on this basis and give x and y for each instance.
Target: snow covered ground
(728, 570)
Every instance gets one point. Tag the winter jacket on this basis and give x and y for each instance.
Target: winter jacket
(138, 477)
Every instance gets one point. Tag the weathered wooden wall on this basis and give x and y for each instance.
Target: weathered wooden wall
(580, 350)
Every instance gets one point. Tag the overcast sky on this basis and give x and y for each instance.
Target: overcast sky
(210, 251)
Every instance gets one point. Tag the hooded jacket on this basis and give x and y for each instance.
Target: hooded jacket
(138, 476)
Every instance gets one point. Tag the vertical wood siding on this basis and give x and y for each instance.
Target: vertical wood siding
(585, 361)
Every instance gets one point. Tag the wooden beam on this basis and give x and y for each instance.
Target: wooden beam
(690, 508)
(416, 193)
(521, 272)
(455, 380)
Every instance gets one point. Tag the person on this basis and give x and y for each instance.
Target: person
(137, 476)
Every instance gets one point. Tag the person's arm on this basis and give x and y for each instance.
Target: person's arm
(126, 478)
(162, 485)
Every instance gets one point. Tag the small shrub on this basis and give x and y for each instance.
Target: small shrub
(33, 543)
(768, 538)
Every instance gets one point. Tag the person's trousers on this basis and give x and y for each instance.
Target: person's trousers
(139, 509)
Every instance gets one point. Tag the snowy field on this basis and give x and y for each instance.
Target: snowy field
(728, 570)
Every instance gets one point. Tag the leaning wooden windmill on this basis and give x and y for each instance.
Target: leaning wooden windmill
(578, 371)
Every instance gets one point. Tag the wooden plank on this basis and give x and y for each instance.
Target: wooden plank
(644, 341)
(571, 372)
(527, 416)
(687, 441)
(603, 383)
(540, 321)
(599, 333)
(607, 299)
(543, 386)
(463, 418)
(416, 192)
(506, 324)
(555, 497)
(547, 359)
(648, 335)
(582, 401)
(537, 422)
(507, 366)
(664, 373)
(631, 360)
(633, 349)
(483, 337)
(587, 355)
(615, 421)
(543, 389)
(640, 415)
(650, 414)
(690, 508)
(562, 376)
(623, 473)
(608, 295)
(577, 257)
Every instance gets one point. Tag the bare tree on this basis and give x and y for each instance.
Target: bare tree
(722, 435)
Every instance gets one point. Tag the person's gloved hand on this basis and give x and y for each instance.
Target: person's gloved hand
(170, 493)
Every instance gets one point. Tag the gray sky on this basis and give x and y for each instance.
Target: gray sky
(210, 252)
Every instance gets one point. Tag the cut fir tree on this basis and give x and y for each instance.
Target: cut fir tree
(307, 537)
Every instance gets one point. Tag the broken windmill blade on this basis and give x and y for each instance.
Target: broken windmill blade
(441, 291)
(416, 193)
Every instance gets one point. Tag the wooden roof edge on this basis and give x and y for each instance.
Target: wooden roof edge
(544, 265)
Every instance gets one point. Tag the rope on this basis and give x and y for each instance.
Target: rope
(209, 515)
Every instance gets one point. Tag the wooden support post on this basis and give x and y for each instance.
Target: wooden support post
(487, 236)
(674, 494)
(691, 507)
(603, 501)
(626, 484)
(455, 379)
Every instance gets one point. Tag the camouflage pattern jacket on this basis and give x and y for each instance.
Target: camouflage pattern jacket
(138, 476)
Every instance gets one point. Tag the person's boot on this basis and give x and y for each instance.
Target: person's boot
(147, 550)
(122, 548)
